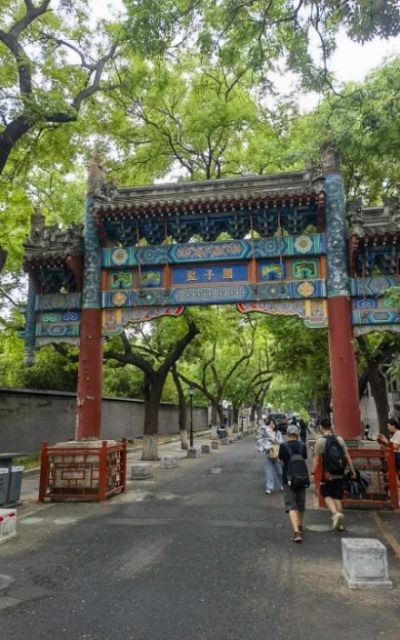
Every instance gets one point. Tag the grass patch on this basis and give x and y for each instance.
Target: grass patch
(28, 462)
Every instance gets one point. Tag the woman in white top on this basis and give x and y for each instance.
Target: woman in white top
(273, 468)
(393, 427)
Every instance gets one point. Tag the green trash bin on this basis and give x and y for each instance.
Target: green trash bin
(4, 485)
(14, 492)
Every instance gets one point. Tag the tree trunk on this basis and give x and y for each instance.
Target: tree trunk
(3, 258)
(182, 418)
(150, 448)
(152, 396)
(14, 131)
(215, 419)
(235, 418)
(214, 415)
(153, 384)
(379, 393)
(253, 411)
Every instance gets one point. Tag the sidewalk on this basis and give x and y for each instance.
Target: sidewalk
(30, 483)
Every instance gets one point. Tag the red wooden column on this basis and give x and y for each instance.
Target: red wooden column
(88, 410)
(90, 375)
(344, 380)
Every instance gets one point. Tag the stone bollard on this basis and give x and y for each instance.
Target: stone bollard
(141, 471)
(168, 462)
(215, 444)
(365, 564)
(205, 448)
(193, 452)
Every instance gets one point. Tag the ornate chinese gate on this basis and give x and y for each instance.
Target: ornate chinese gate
(150, 251)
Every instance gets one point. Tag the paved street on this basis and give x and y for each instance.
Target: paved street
(199, 552)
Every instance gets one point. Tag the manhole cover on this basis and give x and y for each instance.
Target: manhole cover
(5, 581)
(216, 470)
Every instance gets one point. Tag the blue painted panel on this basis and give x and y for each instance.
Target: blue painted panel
(196, 274)
(305, 245)
(210, 295)
(58, 301)
(209, 251)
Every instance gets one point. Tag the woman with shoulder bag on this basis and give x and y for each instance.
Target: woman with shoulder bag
(393, 426)
(273, 468)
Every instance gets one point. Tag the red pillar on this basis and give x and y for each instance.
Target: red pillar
(344, 380)
(88, 411)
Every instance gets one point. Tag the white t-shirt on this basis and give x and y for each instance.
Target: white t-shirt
(395, 438)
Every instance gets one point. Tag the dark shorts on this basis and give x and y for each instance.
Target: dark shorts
(295, 499)
(397, 459)
(332, 488)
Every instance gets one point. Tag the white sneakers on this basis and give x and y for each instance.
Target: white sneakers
(337, 521)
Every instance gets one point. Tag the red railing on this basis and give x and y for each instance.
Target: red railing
(379, 467)
(81, 473)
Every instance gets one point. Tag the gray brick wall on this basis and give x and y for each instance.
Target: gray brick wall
(28, 417)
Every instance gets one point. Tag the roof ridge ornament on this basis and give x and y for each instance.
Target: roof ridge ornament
(392, 210)
(330, 158)
(98, 186)
(37, 223)
(356, 217)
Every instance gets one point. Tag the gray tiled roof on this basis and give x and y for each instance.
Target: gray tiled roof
(273, 186)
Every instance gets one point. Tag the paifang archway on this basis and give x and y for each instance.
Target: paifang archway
(305, 260)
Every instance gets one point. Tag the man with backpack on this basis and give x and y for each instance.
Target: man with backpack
(331, 450)
(295, 479)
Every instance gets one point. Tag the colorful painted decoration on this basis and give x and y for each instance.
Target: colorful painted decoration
(306, 289)
(338, 280)
(119, 298)
(304, 269)
(119, 256)
(70, 316)
(121, 280)
(115, 320)
(272, 270)
(303, 244)
(208, 251)
(150, 278)
(58, 301)
(313, 312)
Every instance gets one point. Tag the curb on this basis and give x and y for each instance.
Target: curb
(36, 470)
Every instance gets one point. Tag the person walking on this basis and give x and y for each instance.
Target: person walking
(304, 430)
(294, 488)
(331, 452)
(268, 440)
(393, 426)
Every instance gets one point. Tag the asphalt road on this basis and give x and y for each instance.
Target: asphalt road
(198, 553)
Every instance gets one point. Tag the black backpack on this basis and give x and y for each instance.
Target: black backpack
(298, 477)
(333, 457)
